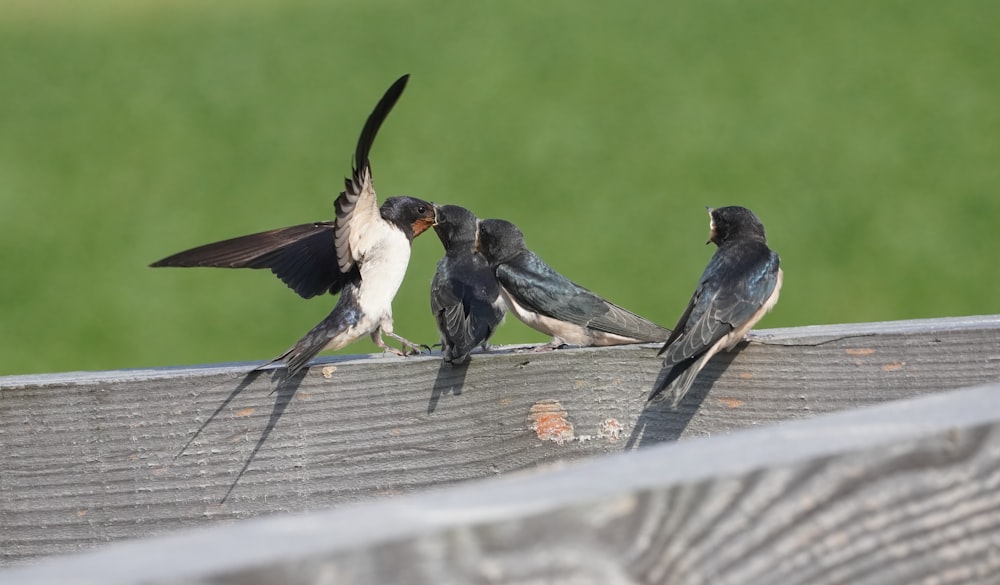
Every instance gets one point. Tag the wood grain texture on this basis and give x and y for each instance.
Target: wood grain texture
(88, 458)
(901, 493)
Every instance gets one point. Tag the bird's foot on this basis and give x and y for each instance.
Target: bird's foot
(377, 340)
(409, 348)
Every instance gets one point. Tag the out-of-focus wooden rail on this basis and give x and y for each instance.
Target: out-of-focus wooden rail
(87, 458)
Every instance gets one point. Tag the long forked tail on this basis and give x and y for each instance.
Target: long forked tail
(678, 381)
(333, 331)
(298, 356)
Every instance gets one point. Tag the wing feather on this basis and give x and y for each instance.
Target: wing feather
(310, 258)
(302, 256)
(723, 301)
(543, 290)
(357, 205)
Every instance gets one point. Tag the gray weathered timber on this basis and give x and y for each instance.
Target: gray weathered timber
(901, 493)
(87, 458)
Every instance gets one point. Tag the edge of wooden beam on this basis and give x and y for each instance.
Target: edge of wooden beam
(805, 335)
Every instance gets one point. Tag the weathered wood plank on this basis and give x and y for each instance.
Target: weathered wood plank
(94, 457)
(901, 493)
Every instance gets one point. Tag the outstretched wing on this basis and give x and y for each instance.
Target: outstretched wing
(302, 256)
(543, 290)
(310, 258)
(357, 206)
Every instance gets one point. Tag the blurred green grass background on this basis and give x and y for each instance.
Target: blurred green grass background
(864, 134)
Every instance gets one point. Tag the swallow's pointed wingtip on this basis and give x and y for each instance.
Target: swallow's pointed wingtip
(374, 121)
(169, 261)
(659, 395)
(174, 260)
(663, 392)
(397, 87)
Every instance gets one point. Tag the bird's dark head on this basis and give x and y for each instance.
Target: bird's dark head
(499, 240)
(409, 214)
(455, 225)
(734, 223)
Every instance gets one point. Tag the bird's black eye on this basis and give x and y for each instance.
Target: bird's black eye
(421, 209)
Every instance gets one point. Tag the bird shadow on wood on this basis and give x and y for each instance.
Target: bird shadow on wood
(450, 380)
(659, 423)
(247, 380)
(286, 388)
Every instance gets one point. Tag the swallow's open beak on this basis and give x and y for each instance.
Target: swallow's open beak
(436, 208)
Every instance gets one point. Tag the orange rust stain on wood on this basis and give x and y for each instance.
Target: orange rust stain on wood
(303, 395)
(243, 412)
(549, 422)
(860, 351)
(893, 366)
(745, 375)
(732, 403)
(328, 371)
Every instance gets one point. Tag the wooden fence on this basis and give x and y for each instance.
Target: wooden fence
(907, 492)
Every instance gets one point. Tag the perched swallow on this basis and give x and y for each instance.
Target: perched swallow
(551, 303)
(739, 286)
(362, 255)
(465, 295)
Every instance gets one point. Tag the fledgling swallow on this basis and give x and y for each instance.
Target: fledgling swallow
(739, 286)
(551, 303)
(465, 294)
(362, 255)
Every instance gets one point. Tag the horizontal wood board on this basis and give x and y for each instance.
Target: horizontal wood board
(900, 493)
(88, 458)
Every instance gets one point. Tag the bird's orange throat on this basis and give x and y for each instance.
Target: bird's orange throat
(421, 225)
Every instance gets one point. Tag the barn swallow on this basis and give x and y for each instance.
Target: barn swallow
(739, 286)
(465, 295)
(362, 255)
(551, 303)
